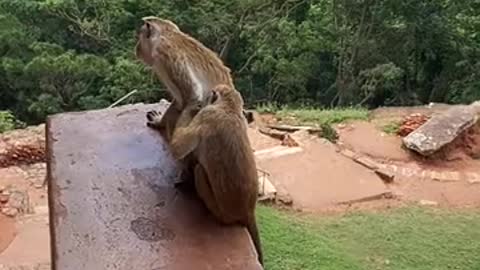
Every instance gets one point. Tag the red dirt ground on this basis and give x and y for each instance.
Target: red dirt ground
(462, 156)
(367, 138)
(7, 232)
(338, 178)
(320, 177)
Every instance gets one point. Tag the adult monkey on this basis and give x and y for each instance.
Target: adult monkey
(187, 68)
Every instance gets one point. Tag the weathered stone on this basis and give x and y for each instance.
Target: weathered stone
(284, 198)
(367, 162)
(10, 212)
(427, 203)
(113, 204)
(385, 175)
(446, 176)
(440, 130)
(266, 190)
(4, 198)
(275, 152)
(19, 200)
(473, 178)
(348, 153)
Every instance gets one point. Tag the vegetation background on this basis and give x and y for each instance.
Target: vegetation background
(64, 55)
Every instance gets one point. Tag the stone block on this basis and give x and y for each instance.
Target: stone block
(441, 130)
(113, 204)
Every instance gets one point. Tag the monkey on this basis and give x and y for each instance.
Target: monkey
(226, 178)
(187, 68)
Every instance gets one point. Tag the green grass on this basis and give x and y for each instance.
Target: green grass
(309, 116)
(408, 238)
(267, 108)
(392, 127)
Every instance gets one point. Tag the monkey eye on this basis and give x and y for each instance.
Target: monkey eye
(214, 97)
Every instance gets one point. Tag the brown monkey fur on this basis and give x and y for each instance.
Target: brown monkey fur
(226, 174)
(185, 66)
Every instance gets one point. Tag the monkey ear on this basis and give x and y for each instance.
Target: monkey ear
(148, 29)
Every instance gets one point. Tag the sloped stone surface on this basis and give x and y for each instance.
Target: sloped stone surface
(113, 204)
(440, 130)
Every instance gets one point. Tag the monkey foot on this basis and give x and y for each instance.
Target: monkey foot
(186, 182)
(186, 187)
(153, 119)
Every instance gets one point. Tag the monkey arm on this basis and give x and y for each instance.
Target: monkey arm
(185, 140)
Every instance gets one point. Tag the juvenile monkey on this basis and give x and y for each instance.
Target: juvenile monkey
(226, 174)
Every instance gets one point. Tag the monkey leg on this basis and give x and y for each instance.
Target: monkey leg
(205, 192)
(185, 140)
(187, 175)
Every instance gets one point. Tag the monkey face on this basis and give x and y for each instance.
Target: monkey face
(149, 34)
(143, 49)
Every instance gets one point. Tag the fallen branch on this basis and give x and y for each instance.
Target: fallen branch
(122, 98)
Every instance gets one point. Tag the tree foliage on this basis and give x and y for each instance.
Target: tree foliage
(65, 55)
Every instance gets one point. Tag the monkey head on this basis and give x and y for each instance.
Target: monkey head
(148, 35)
(230, 98)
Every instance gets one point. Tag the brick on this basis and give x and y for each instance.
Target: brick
(473, 178)
(349, 153)
(385, 175)
(446, 176)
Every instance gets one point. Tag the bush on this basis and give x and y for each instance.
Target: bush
(8, 121)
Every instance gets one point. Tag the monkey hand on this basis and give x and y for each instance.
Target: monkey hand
(154, 120)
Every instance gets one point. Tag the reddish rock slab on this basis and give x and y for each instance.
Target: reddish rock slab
(441, 130)
(113, 205)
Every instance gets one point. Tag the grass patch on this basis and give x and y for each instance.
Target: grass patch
(321, 116)
(408, 238)
(392, 127)
(267, 108)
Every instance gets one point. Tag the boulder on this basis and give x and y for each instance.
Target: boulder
(441, 129)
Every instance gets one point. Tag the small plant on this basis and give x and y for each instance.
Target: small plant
(329, 133)
(391, 128)
(8, 121)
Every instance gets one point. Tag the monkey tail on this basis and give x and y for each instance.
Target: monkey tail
(255, 236)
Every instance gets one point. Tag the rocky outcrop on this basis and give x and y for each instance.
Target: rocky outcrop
(22, 146)
(441, 130)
